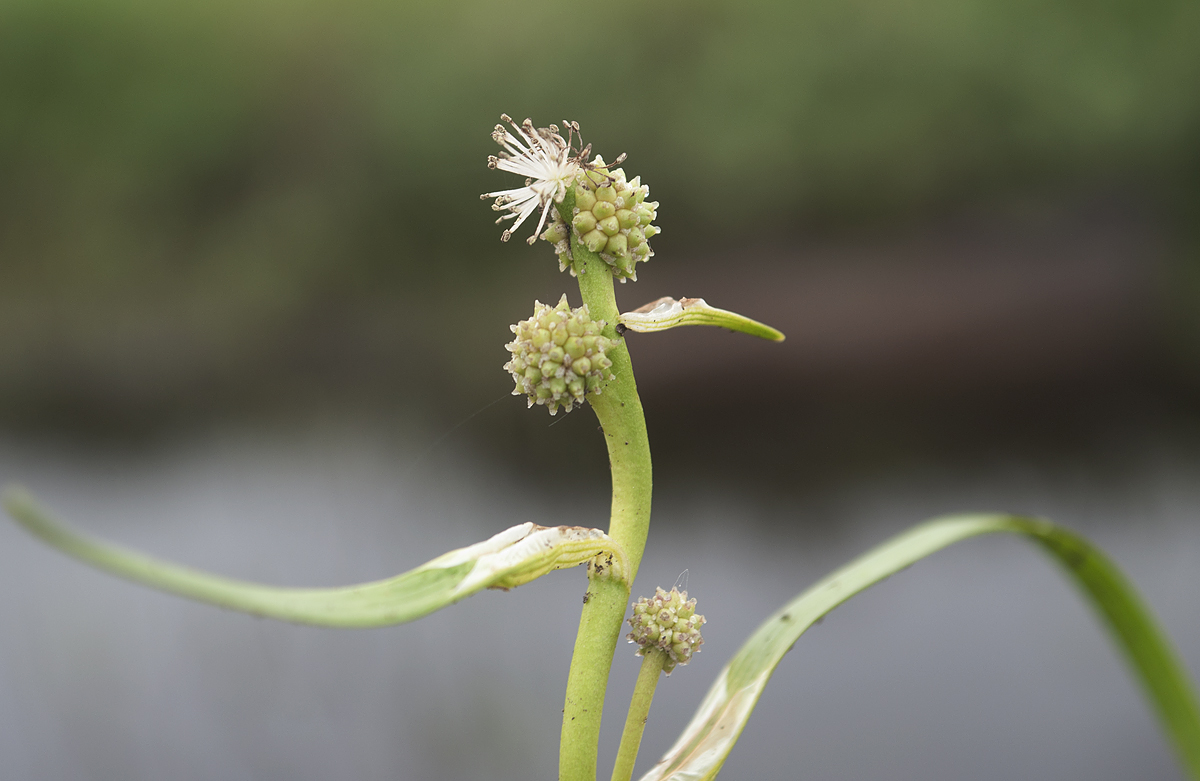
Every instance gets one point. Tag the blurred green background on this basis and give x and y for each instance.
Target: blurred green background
(973, 218)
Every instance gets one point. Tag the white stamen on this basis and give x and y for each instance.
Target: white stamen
(544, 159)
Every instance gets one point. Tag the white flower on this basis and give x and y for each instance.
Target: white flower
(545, 160)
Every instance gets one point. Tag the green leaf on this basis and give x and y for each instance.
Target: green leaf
(667, 313)
(509, 559)
(707, 740)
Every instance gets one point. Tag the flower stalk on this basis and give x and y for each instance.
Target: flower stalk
(639, 711)
(619, 410)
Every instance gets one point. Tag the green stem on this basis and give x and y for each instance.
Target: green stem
(619, 411)
(639, 709)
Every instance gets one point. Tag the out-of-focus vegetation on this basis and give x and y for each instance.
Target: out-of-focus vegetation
(241, 204)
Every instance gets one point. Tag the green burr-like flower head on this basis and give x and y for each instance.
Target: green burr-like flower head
(611, 218)
(667, 621)
(559, 356)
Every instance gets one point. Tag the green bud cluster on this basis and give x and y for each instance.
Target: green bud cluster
(559, 356)
(611, 218)
(667, 621)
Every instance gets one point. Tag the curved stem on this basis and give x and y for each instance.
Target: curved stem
(639, 710)
(619, 411)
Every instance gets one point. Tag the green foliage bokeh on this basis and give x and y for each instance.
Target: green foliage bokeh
(201, 204)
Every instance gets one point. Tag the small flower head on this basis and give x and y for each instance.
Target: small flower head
(611, 218)
(667, 621)
(547, 162)
(559, 356)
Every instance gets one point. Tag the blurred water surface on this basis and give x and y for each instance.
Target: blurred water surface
(979, 663)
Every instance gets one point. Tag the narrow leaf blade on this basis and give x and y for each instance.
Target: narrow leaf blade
(509, 559)
(708, 739)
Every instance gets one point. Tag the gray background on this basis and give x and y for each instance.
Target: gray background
(979, 663)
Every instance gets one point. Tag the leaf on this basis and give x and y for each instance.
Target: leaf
(707, 740)
(668, 313)
(509, 559)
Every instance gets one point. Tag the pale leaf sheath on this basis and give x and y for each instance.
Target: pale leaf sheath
(511, 558)
(707, 740)
(666, 313)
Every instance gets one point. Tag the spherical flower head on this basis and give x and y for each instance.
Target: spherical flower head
(612, 217)
(559, 356)
(667, 621)
(547, 162)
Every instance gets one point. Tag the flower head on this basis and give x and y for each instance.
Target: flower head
(613, 218)
(559, 356)
(547, 162)
(667, 621)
